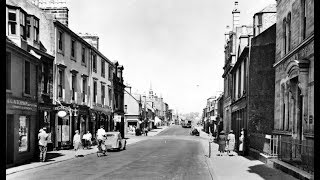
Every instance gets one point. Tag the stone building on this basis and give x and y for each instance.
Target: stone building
(294, 81)
(118, 97)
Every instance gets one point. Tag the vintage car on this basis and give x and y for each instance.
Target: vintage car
(115, 141)
(194, 132)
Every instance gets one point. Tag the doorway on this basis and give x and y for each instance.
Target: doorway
(10, 139)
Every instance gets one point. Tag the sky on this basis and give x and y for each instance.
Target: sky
(174, 46)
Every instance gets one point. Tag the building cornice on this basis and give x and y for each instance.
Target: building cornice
(292, 52)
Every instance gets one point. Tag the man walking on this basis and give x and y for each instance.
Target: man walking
(43, 141)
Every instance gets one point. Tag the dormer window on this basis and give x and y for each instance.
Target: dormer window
(28, 27)
(12, 22)
(22, 25)
(36, 30)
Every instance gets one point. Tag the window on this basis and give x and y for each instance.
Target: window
(44, 78)
(94, 91)
(60, 82)
(83, 55)
(289, 31)
(22, 25)
(8, 70)
(84, 89)
(109, 95)
(244, 75)
(73, 46)
(73, 86)
(60, 39)
(36, 29)
(110, 72)
(94, 59)
(24, 133)
(27, 77)
(239, 82)
(12, 22)
(284, 36)
(103, 68)
(28, 27)
(102, 94)
(304, 18)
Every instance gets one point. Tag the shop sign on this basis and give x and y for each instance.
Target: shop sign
(13, 103)
(62, 113)
(117, 118)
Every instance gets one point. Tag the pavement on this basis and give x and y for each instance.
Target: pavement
(64, 155)
(236, 166)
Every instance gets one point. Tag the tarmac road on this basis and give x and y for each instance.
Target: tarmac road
(172, 154)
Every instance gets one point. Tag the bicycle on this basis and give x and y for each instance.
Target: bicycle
(102, 149)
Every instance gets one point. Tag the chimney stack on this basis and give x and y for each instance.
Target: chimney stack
(235, 16)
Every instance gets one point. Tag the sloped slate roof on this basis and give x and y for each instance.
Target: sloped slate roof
(269, 8)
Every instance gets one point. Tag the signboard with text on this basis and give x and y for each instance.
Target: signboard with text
(15, 103)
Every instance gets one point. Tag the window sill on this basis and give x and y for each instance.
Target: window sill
(61, 52)
(26, 95)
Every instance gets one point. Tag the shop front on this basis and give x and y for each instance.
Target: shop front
(21, 130)
(98, 117)
(64, 119)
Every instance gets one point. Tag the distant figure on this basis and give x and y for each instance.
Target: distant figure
(146, 131)
(76, 142)
(43, 142)
(231, 142)
(222, 143)
(87, 137)
(242, 140)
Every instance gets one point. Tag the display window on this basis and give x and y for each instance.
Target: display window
(24, 133)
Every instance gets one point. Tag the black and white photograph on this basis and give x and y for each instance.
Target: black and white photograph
(159, 89)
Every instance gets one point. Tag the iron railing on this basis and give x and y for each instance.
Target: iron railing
(299, 153)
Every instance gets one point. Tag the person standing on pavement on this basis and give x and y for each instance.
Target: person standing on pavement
(146, 131)
(242, 140)
(222, 143)
(231, 139)
(43, 141)
(76, 142)
(88, 139)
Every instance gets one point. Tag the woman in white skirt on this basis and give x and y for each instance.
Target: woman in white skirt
(76, 142)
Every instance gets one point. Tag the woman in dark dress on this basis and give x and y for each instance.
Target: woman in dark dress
(222, 143)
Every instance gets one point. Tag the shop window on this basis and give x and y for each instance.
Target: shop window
(24, 133)
(27, 77)
(8, 70)
(12, 22)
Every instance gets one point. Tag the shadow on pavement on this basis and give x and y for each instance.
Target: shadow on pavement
(267, 172)
(53, 155)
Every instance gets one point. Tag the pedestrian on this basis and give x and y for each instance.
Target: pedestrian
(222, 143)
(100, 136)
(76, 142)
(231, 142)
(84, 140)
(146, 131)
(43, 141)
(88, 139)
(242, 140)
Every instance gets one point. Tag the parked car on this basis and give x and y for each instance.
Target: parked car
(194, 132)
(115, 141)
